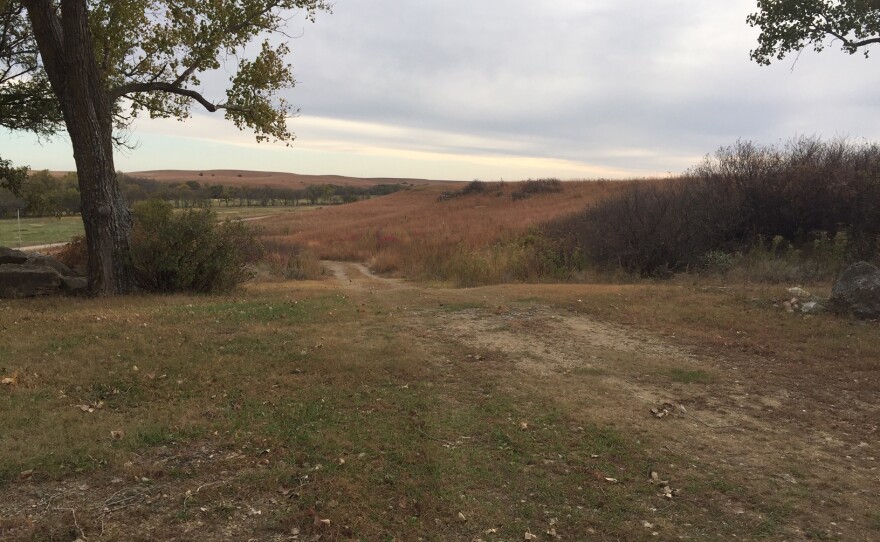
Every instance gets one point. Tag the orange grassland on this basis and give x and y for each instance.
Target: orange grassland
(414, 233)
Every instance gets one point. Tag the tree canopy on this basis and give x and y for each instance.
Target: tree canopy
(96, 65)
(791, 25)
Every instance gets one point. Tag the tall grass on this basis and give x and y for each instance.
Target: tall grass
(477, 237)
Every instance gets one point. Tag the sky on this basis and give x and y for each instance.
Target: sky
(516, 89)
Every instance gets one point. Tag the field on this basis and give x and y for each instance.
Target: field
(39, 231)
(265, 178)
(48, 230)
(366, 407)
(469, 240)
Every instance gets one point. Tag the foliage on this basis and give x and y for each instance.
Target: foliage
(11, 177)
(539, 186)
(819, 196)
(189, 251)
(789, 26)
(74, 254)
(26, 99)
(472, 188)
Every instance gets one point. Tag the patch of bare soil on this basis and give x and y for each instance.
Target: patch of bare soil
(816, 467)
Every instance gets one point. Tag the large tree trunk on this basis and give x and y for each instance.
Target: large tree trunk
(68, 55)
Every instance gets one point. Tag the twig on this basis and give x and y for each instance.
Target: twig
(75, 522)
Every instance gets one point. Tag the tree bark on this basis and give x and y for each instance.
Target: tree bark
(66, 49)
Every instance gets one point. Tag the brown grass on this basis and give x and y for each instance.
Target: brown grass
(415, 234)
(235, 177)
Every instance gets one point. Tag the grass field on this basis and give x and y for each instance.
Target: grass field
(39, 231)
(469, 240)
(42, 231)
(360, 408)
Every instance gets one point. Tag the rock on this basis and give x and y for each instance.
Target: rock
(812, 307)
(9, 255)
(46, 261)
(28, 281)
(800, 293)
(857, 291)
(74, 285)
(30, 275)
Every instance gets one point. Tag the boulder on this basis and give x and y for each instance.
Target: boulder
(28, 281)
(30, 275)
(10, 255)
(857, 291)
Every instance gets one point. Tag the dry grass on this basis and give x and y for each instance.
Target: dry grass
(471, 239)
(234, 177)
(241, 417)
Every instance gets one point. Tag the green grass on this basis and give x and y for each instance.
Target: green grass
(47, 230)
(687, 376)
(292, 398)
(39, 231)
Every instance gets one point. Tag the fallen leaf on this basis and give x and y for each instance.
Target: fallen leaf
(116, 435)
(461, 517)
(611, 480)
(26, 474)
(530, 536)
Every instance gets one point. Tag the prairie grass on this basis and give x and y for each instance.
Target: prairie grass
(473, 239)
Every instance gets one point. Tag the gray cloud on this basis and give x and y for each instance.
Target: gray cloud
(576, 80)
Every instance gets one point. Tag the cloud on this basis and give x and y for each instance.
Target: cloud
(610, 87)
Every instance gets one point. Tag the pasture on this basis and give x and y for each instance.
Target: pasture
(357, 406)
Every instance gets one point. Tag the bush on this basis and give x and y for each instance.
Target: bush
(539, 186)
(75, 254)
(189, 251)
(821, 197)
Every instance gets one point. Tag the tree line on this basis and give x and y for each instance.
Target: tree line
(44, 194)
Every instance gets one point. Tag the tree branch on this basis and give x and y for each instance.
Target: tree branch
(159, 86)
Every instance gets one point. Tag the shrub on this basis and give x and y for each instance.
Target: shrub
(472, 188)
(539, 186)
(189, 251)
(821, 197)
(75, 254)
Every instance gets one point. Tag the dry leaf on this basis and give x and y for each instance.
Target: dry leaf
(461, 517)
(530, 536)
(611, 480)
(26, 474)
(116, 435)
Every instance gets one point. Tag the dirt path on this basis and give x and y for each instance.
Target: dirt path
(734, 420)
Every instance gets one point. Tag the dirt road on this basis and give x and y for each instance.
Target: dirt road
(779, 433)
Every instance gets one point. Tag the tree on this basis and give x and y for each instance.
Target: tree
(109, 61)
(791, 25)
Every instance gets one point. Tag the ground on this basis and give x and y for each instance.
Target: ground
(364, 408)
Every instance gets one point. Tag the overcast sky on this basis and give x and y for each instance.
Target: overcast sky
(491, 89)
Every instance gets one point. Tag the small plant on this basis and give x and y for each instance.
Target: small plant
(189, 251)
(720, 261)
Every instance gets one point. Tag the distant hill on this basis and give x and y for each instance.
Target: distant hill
(234, 177)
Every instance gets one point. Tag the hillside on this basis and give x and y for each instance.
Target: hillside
(234, 177)
(416, 233)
